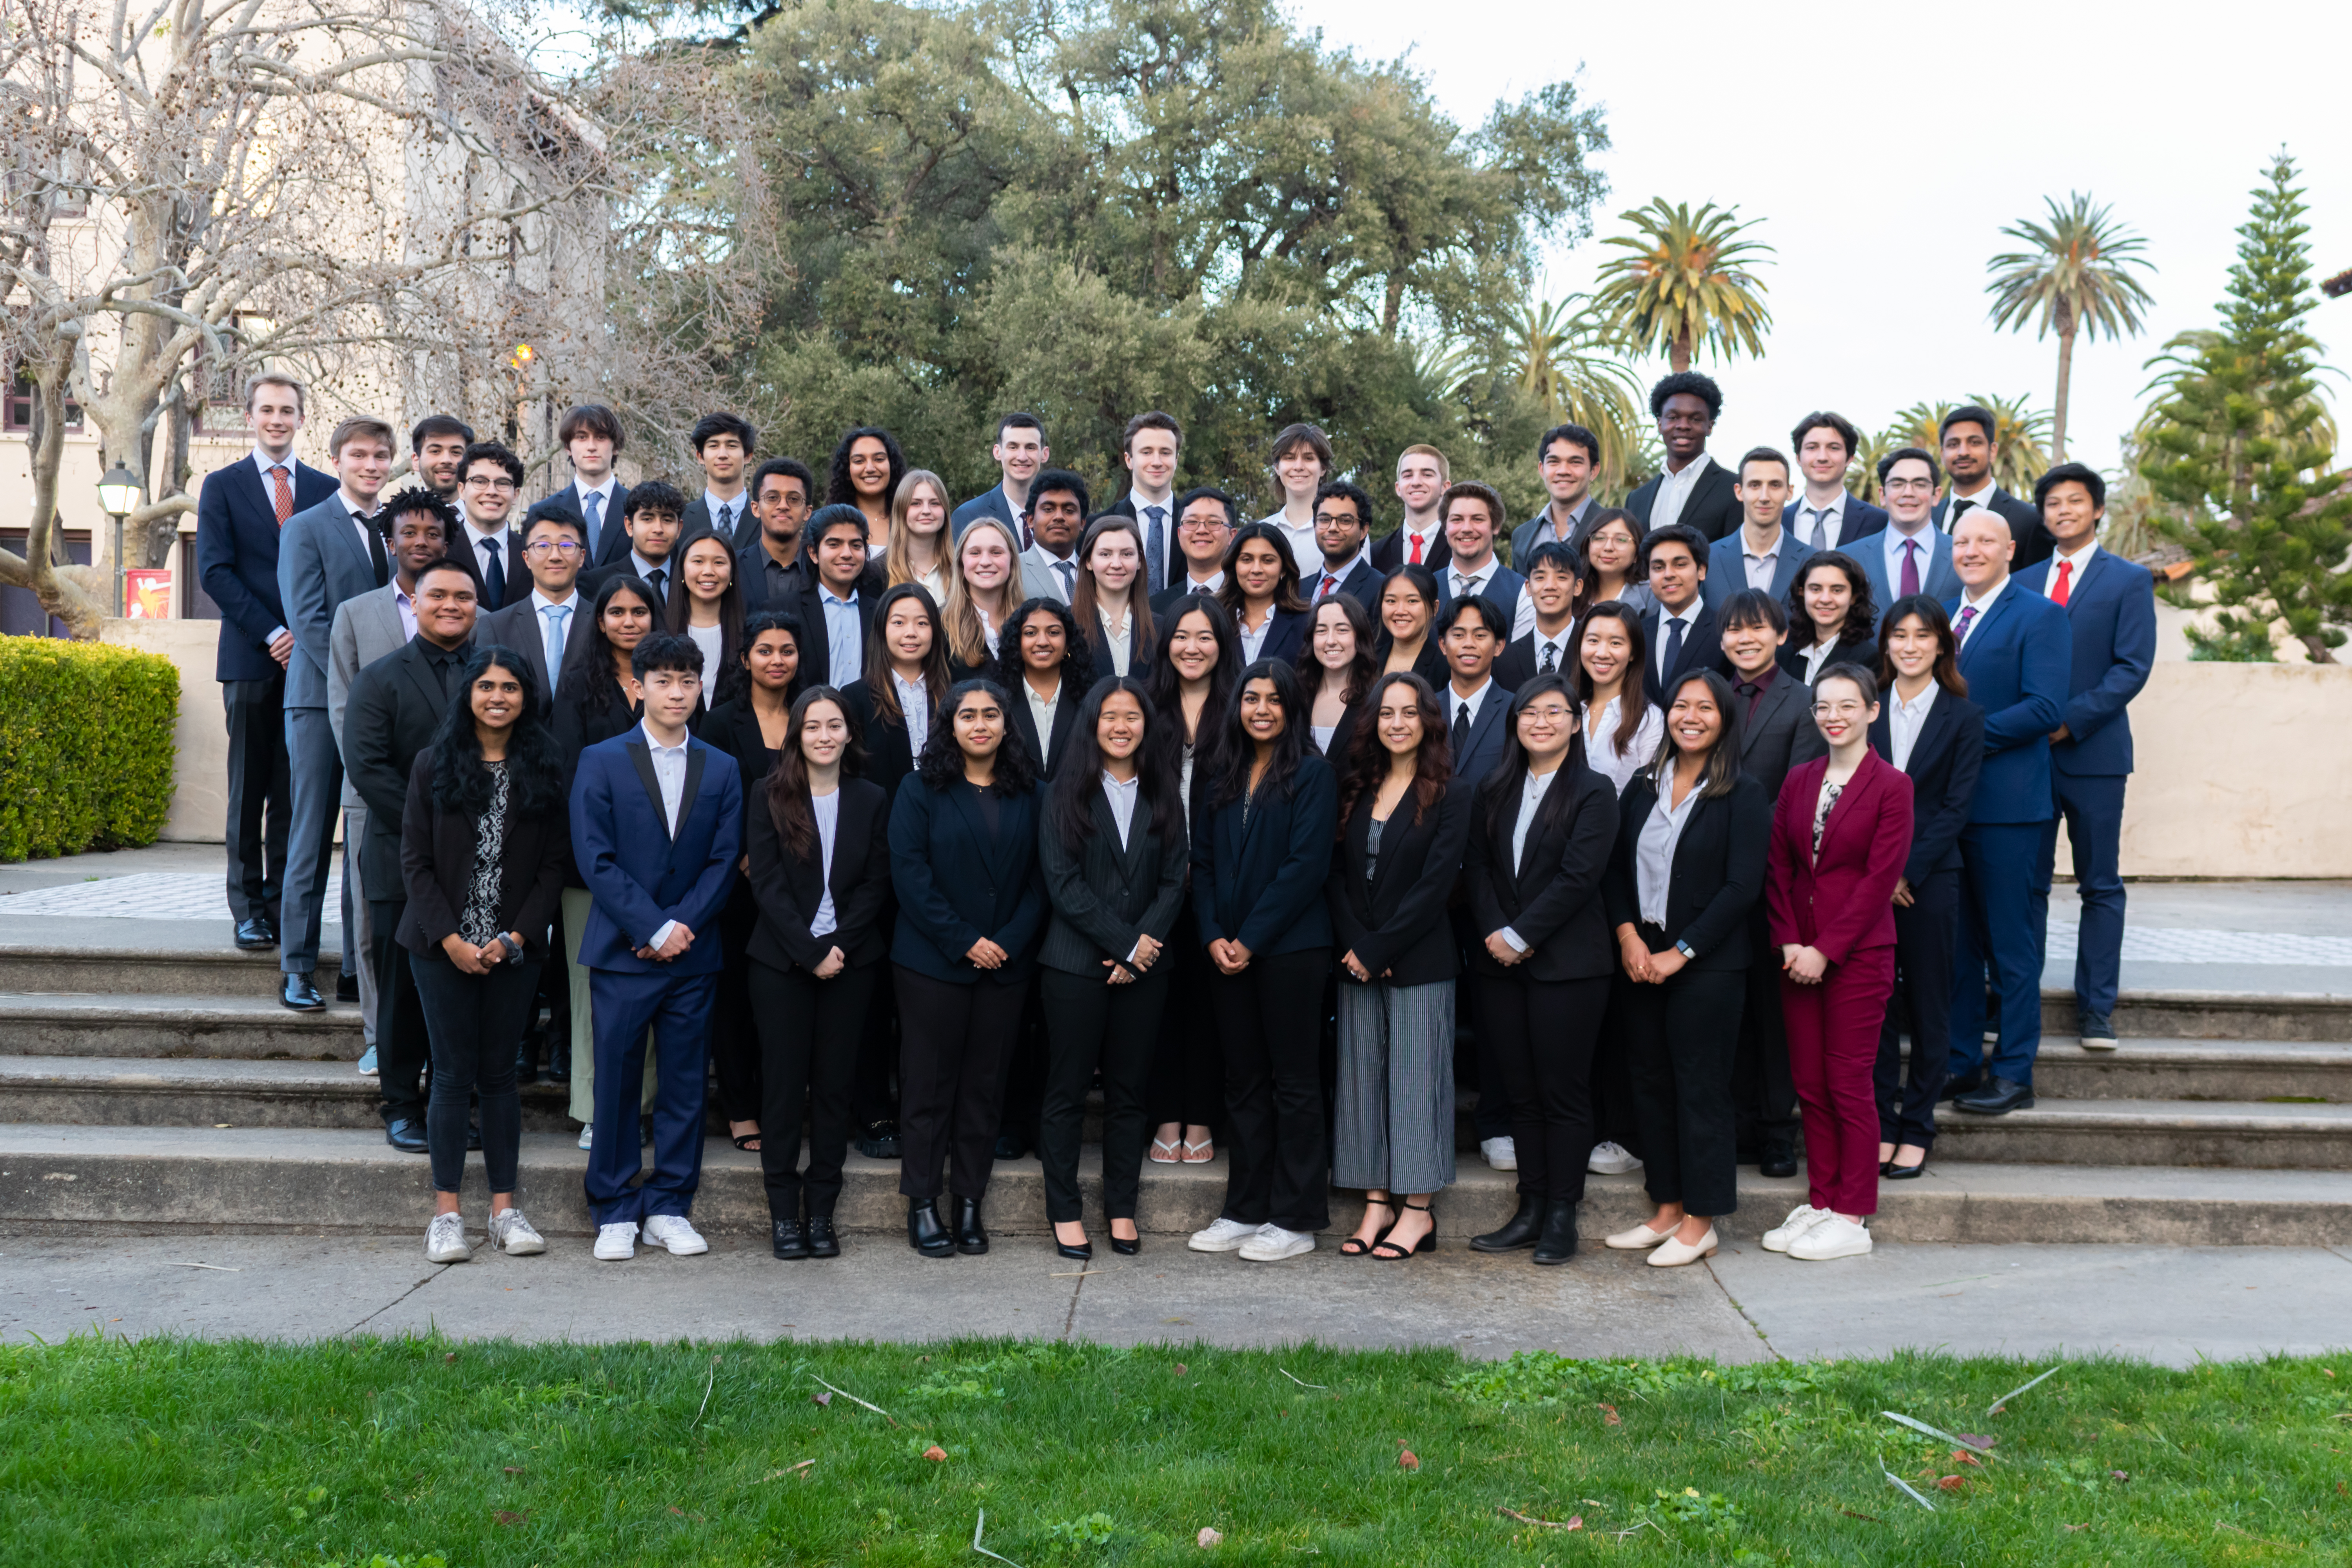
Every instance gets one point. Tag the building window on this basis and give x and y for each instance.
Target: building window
(17, 413)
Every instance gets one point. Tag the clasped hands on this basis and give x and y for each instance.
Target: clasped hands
(472, 960)
(680, 939)
(1643, 966)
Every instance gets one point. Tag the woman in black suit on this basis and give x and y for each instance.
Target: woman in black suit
(820, 876)
(1408, 608)
(1546, 824)
(750, 727)
(1336, 670)
(1111, 601)
(963, 863)
(1113, 851)
(1832, 620)
(1403, 822)
(1927, 727)
(1043, 663)
(1693, 833)
(1264, 819)
(1261, 592)
(485, 842)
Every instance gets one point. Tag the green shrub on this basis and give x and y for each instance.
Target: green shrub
(86, 746)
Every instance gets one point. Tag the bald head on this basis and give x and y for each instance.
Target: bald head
(1981, 547)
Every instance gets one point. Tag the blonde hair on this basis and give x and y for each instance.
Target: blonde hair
(966, 637)
(896, 567)
(1445, 469)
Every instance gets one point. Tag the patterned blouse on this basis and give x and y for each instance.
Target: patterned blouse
(1822, 803)
(479, 923)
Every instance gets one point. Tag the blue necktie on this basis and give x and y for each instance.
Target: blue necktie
(594, 504)
(557, 617)
(1155, 545)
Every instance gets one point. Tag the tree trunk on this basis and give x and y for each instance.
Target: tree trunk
(2316, 646)
(2065, 378)
(1679, 355)
(60, 596)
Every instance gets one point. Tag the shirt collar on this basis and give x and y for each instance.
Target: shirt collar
(711, 503)
(2078, 560)
(1919, 704)
(645, 568)
(344, 497)
(1475, 698)
(1762, 680)
(826, 596)
(657, 748)
(1779, 537)
(540, 600)
(1981, 605)
(1109, 782)
(261, 461)
(1137, 499)
(1835, 508)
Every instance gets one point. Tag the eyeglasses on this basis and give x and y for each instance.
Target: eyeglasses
(565, 548)
(490, 482)
(1837, 709)
(1909, 484)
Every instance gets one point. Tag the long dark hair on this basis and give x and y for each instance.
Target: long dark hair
(756, 624)
(788, 785)
(1072, 809)
(879, 685)
(1367, 761)
(1424, 584)
(1722, 758)
(1166, 687)
(1634, 690)
(1861, 616)
(1236, 751)
(840, 492)
(731, 677)
(461, 780)
(1075, 649)
(1140, 630)
(1361, 671)
(1510, 773)
(1947, 668)
(941, 763)
(1286, 587)
(1636, 571)
(592, 683)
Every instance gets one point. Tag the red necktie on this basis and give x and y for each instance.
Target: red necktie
(2058, 589)
(283, 501)
(1416, 548)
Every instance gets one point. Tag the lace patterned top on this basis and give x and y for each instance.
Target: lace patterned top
(479, 923)
(1822, 803)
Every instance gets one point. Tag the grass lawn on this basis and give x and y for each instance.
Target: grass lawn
(423, 1451)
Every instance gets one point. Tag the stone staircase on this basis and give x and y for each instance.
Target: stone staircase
(166, 1089)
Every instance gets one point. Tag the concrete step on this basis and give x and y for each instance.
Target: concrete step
(190, 1180)
(147, 1092)
(2212, 1015)
(2238, 1134)
(118, 1025)
(103, 968)
(2157, 1069)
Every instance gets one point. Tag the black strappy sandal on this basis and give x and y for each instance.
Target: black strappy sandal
(1356, 1246)
(1389, 1252)
(744, 1140)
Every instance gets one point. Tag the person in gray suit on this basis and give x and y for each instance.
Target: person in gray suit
(1057, 515)
(325, 555)
(1910, 554)
(1759, 553)
(418, 526)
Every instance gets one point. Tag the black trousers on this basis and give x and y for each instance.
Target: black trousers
(1276, 1137)
(1764, 1091)
(1614, 1119)
(957, 1041)
(872, 1095)
(1922, 1004)
(1116, 1027)
(737, 1049)
(1188, 1070)
(809, 1029)
(1541, 1034)
(475, 1022)
(1684, 1034)
(403, 1052)
(1474, 1063)
(261, 796)
(1024, 1075)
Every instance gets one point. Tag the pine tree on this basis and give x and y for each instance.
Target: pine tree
(2235, 443)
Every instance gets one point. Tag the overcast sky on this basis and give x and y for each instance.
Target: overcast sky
(1886, 147)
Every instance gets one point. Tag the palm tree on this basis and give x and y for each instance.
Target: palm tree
(2018, 456)
(1560, 354)
(1685, 283)
(2074, 280)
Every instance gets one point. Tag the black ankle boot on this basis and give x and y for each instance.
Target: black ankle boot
(1557, 1243)
(1517, 1231)
(925, 1234)
(971, 1238)
(790, 1242)
(822, 1242)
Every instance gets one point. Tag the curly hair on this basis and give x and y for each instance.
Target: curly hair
(1861, 615)
(1367, 761)
(839, 492)
(941, 762)
(461, 779)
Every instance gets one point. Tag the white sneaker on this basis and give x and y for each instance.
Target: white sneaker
(616, 1242)
(1611, 1160)
(1223, 1236)
(1272, 1244)
(1500, 1153)
(587, 1134)
(1801, 1218)
(444, 1239)
(1834, 1237)
(512, 1235)
(671, 1230)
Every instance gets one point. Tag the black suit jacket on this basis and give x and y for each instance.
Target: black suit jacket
(1066, 714)
(1139, 651)
(1388, 553)
(1771, 738)
(1362, 583)
(1552, 899)
(2034, 540)
(1945, 762)
(817, 643)
(1516, 665)
(1104, 897)
(1809, 743)
(1394, 921)
(697, 521)
(1713, 507)
(889, 744)
(615, 544)
(595, 577)
(752, 563)
(1702, 648)
(788, 888)
(436, 862)
(394, 706)
(1718, 874)
(1173, 566)
(237, 560)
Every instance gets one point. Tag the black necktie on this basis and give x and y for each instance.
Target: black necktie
(1551, 658)
(1461, 732)
(376, 554)
(1674, 650)
(1952, 520)
(494, 571)
(660, 580)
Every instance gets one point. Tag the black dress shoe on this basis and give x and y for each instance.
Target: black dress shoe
(1998, 1098)
(792, 1242)
(1009, 1147)
(822, 1242)
(1955, 1087)
(879, 1140)
(525, 1069)
(255, 934)
(1520, 1230)
(1779, 1160)
(297, 992)
(559, 1063)
(1894, 1172)
(925, 1234)
(1557, 1243)
(405, 1133)
(1126, 1248)
(347, 987)
(971, 1237)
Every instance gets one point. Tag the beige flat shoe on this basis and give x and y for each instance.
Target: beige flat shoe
(1636, 1239)
(1673, 1254)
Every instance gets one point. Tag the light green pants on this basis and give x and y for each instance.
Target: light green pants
(576, 904)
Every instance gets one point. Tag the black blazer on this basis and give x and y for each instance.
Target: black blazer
(1718, 874)
(1258, 875)
(816, 644)
(1075, 681)
(597, 576)
(1807, 743)
(956, 883)
(1516, 665)
(613, 544)
(395, 705)
(1861, 650)
(1343, 733)
(1713, 507)
(788, 888)
(734, 728)
(1362, 583)
(1105, 896)
(237, 560)
(1394, 921)
(436, 865)
(1098, 665)
(1431, 666)
(1702, 648)
(889, 744)
(1553, 896)
(1285, 634)
(2024, 519)
(1388, 553)
(1771, 739)
(1945, 762)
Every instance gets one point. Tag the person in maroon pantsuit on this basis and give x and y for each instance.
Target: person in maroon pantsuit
(1839, 835)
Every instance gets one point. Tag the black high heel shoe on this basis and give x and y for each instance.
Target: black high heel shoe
(1356, 1246)
(1389, 1252)
(1894, 1172)
(1127, 1248)
(1083, 1252)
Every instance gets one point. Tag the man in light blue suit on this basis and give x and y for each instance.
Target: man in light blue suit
(1759, 553)
(2110, 607)
(1020, 453)
(1910, 555)
(2014, 652)
(325, 555)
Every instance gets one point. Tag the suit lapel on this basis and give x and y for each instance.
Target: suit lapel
(1934, 735)
(695, 758)
(641, 757)
(1985, 618)
(420, 677)
(1866, 781)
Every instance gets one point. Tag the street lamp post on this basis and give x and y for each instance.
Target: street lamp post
(118, 494)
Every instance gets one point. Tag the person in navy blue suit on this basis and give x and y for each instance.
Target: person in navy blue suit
(591, 436)
(239, 512)
(1909, 556)
(1019, 452)
(657, 829)
(1763, 492)
(1261, 589)
(2110, 606)
(2014, 652)
(1826, 516)
(1474, 518)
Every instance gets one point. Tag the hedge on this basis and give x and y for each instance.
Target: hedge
(86, 746)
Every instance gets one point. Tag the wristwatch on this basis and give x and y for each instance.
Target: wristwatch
(1686, 949)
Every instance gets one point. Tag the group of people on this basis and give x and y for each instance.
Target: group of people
(905, 824)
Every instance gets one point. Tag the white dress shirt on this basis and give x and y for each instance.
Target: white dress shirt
(1818, 526)
(915, 706)
(734, 506)
(1041, 712)
(1254, 640)
(1893, 541)
(2075, 564)
(669, 771)
(1172, 562)
(1531, 796)
(1115, 637)
(1688, 617)
(1455, 701)
(1905, 720)
(1122, 798)
(1982, 607)
(1981, 497)
(1654, 854)
(1301, 540)
(1674, 492)
(1212, 583)
(1601, 743)
(1816, 653)
(1429, 533)
(1561, 652)
(826, 809)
